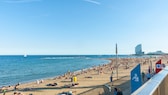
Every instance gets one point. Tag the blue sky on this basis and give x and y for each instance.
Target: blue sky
(82, 26)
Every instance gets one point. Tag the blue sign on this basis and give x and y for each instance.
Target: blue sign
(136, 81)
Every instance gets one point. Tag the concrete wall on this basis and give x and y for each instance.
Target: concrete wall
(157, 85)
(162, 89)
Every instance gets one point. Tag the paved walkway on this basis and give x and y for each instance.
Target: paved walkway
(122, 83)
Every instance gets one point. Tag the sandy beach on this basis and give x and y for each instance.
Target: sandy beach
(93, 81)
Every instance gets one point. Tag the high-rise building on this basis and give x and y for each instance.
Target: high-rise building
(138, 50)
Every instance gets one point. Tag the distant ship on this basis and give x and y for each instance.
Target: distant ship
(25, 55)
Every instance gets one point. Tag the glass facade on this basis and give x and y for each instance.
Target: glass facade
(138, 50)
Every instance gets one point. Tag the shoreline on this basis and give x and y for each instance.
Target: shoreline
(56, 76)
(92, 71)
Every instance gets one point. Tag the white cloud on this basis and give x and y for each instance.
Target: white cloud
(93, 1)
(19, 1)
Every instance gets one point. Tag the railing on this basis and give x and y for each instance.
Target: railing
(157, 85)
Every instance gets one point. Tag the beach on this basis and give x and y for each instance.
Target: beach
(92, 81)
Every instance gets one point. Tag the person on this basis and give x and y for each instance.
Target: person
(115, 91)
(119, 92)
(163, 65)
(4, 91)
(15, 88)
(149, 69)
(41, 81)
(111, 79)
(143, 76)
(15, 93)
(148, 75)
(37, 81)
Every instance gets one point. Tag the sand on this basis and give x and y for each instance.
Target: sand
(93, 81)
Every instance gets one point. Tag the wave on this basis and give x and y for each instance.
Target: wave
(65, 57)
(53, 58)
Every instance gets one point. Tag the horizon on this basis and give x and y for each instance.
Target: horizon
(80, 27)
(78, 54)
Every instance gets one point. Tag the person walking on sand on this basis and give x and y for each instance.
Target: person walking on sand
(111, 78)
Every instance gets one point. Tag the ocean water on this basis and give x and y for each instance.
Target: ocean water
(20, 69)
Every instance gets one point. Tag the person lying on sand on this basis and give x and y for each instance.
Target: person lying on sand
(52, 84)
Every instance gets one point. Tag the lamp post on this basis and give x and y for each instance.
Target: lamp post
(151, 64)
(116, 61)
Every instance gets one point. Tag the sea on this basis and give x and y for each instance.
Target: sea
(22, 69)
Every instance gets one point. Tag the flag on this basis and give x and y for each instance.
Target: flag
(136, 81)
(158, 66)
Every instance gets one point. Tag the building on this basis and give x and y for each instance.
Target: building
(138, 50)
